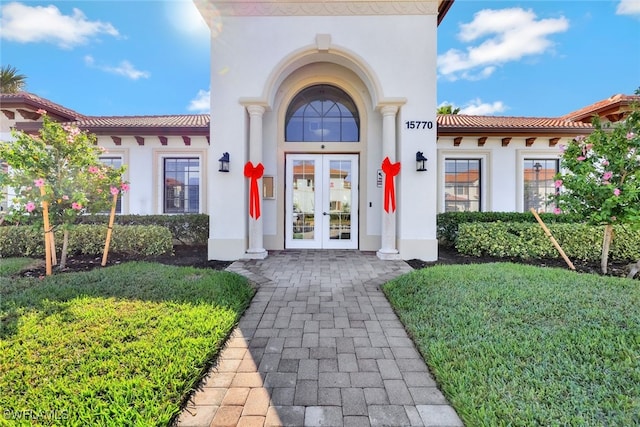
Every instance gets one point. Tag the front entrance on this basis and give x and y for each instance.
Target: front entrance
(321, 201)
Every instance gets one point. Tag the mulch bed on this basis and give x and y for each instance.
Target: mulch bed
(196, 256)
(193, 256)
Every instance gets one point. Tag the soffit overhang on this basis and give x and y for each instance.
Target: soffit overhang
(211, 10)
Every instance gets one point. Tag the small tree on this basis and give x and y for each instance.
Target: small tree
(10, 80)
(600, 177)
(448, 109)
(65, 163)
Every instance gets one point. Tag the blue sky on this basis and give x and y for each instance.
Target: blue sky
(516, 58)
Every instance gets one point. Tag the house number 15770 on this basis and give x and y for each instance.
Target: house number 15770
(416, 124)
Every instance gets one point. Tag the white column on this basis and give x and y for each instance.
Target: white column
(388, 249)
(256, 234)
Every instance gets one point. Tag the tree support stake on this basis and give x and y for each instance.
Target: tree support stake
(553, 239)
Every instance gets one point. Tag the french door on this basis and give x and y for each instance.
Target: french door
(321, 209)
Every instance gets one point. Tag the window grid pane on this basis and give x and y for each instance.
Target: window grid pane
(462, 185)
(181, 185)
(539, 184)
(114, 162)
(322, 113)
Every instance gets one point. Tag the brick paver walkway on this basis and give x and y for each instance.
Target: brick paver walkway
(319, 346)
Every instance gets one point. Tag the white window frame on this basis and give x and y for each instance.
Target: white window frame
(124, 196)
(485, 178)
(160, 157)
(522, 155)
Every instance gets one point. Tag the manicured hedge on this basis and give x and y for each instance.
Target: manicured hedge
(187, 229)
(528, 241)
(448, 222)
(145, 240)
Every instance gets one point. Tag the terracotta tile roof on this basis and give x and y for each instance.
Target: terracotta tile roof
(460, 124)
(460, 177)
(184, 125)
(614, 105)
(309, 171)
(185, 120)
(20, 99)
(542, 175)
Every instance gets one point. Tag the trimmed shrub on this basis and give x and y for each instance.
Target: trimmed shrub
(449, 222)
(142, 240)
(187, 229)
(528, 241)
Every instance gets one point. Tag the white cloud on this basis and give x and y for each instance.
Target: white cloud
(201, 103)
(509, 35)
(628, 7)
(476, 107)
(445, 103)
(125, 68)
(33, 24)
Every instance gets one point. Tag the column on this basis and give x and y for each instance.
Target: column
(256, 234)
(388, 249)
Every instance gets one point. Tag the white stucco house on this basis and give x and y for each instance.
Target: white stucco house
(322, 109)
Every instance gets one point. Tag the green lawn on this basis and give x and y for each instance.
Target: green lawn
(114, 346)
(516, 345)
(9, 266)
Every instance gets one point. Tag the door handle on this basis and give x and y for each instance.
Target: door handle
(324, 213)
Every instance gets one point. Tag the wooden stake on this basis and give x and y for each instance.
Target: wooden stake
(47, 238)
(606, 244)
(553, 240)
(109, 230)
(52, 245)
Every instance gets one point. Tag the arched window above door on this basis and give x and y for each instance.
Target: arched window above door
(322, 113)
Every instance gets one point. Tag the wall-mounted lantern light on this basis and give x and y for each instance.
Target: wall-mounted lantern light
(420, 162)
(224, 162)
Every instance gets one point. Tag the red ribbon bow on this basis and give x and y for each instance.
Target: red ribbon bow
(254, 173)
(390, 170)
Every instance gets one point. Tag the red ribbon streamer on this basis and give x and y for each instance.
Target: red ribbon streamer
(390, 170)
(254, 173)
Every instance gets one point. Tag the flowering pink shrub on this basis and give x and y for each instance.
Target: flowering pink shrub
(64, 162)
(600, 178)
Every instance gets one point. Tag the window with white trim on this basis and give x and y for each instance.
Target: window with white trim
(114, 162)
(181, 177)
(322, 113)
(539, 183)
(462, 185)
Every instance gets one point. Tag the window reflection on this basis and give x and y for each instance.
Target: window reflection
(462, 185)
(181, 185)
(340, 200)
(303, 199)
(322, 113)
(539, 184)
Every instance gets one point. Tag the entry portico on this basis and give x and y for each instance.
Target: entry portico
(320, 94)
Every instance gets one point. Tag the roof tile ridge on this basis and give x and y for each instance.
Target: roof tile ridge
(141, 116)
(36, 98)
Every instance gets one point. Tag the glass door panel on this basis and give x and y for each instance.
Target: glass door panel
(303, 187)
(321, 201)
(340, 199)
(340, 209)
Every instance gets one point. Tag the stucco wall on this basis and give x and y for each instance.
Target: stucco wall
(392, 56)
(502, 183)
(145, 169)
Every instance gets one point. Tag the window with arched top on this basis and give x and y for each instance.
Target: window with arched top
(322, 113)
